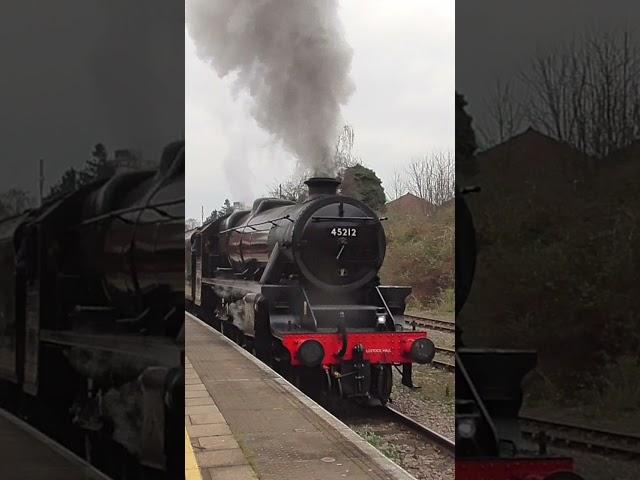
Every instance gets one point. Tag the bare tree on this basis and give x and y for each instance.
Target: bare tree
(398, 185)
(14, 201)
(432, 177)
(588, 92)
(344, 157)
(505, 114)
(190, 224)
(417, 172)
(293, 188)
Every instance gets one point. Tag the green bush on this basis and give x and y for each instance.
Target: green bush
(420, 254)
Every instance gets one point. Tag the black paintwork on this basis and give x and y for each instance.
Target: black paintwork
(308, 267)
(92, 295)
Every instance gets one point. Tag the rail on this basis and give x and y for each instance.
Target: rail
(443, 325)
(581, 437)
(448, 444)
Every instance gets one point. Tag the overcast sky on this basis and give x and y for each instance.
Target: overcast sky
(497, 39)
(77, 73)
(403, 69)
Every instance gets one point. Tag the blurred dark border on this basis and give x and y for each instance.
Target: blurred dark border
(547, 249)
(91, 225)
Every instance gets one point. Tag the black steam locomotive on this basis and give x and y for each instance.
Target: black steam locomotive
(297, 283)
(489, 443)
(91, 322)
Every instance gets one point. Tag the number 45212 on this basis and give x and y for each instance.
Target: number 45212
(344, 232)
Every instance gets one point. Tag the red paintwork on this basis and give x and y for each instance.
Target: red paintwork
(387, 347)
(511, 468)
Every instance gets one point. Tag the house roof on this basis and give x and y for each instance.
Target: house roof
(531, 135)
(409, 198)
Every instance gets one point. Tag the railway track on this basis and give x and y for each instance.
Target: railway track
(445, 350)
(442, 325)
(440, 447)
(581, 437)
(444, 364)
(346, 414)
(449, 367)
(447, 444)
(393, 433)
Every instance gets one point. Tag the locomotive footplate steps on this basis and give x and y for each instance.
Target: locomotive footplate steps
(29, 454)
(245, 421)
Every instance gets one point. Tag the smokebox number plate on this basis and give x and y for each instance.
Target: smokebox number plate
(344, 232)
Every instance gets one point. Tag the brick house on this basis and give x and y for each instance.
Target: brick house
(409, 204)
(533, 161)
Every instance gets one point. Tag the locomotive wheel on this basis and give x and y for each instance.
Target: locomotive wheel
(310, 380)
(329, 396)
(383, 383)
(249, 345)
(263, 340)
(224, 329)
(263, 351)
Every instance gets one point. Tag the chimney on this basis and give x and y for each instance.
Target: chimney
(322, 186)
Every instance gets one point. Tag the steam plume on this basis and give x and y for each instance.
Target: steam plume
(292, 58)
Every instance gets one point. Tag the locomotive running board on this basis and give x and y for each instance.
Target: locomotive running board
(160, 351)
(236, 286)
(293, 298)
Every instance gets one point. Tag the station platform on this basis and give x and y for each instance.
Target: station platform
(27, 453)
(244, 421)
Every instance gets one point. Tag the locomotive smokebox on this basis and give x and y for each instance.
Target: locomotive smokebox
(322, 186)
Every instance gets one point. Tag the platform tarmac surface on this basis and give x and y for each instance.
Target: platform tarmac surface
(26, 453)
(244, 421)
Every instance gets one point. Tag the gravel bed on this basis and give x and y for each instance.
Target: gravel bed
(408, 449)
(618, 421)
(445, 317)
(418, 455)
(432, 404)
(442, 339)
(592, 465)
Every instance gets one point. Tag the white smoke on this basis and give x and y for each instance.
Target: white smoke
(293, 60)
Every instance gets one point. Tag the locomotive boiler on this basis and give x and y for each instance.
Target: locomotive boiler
(91, 325)
(297, 283)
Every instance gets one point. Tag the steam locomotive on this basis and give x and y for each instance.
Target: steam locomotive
(489, 443)
(91, 322)
(297, 284)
